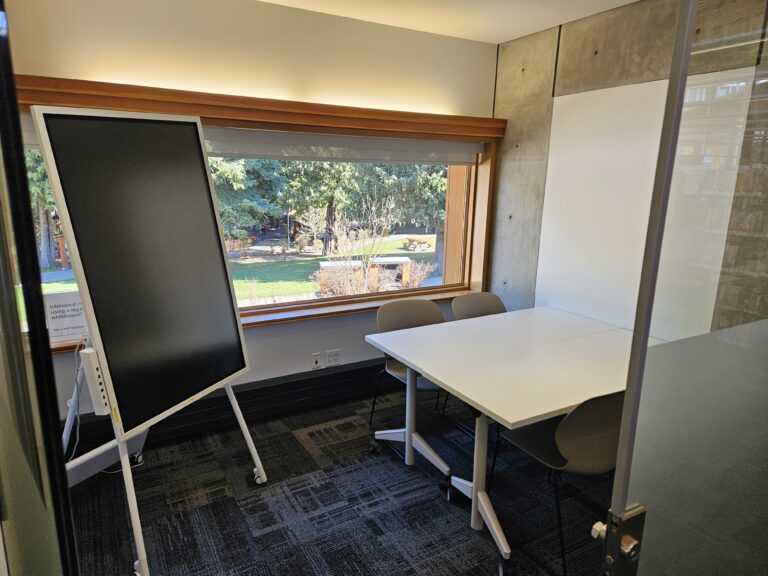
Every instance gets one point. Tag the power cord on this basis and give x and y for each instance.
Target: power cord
(80, 346)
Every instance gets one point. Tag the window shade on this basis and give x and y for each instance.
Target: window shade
(263, 144)
(28, 133)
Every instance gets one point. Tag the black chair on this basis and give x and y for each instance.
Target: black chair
(584, 441)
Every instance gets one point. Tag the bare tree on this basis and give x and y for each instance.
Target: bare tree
(313, 220)
(361, 242)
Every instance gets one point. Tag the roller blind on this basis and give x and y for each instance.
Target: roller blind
(263, 144)
(273, 145)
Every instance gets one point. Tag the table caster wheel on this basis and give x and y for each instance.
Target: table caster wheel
(138, 459)
(257, 477)
(374, 446)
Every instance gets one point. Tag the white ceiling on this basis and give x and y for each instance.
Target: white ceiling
(493, 21)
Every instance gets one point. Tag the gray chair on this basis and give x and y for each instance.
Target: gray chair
(584, 441)
(400, 315)
(474, 305)
(477, 304)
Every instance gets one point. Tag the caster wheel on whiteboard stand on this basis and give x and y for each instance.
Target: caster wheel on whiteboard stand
(258, 478)
(374, 447)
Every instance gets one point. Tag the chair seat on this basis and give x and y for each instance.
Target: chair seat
(399, 370)
(538, 440)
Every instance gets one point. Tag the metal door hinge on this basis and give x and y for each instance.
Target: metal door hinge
(622, 536)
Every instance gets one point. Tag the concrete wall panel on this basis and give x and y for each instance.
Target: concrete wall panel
(628, 45)
(524, 97)
(633, 44)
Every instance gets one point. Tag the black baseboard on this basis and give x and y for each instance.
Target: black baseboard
(259, 401)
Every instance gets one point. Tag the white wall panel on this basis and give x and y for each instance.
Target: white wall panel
(602, 160)
(602, 157)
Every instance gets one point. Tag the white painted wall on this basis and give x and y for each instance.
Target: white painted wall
(602, 157)
(603, 153)
(252, 48)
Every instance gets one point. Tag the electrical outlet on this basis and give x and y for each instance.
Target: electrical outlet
(332, 357)
(317, 361)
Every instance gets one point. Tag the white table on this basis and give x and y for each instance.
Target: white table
(517, 368)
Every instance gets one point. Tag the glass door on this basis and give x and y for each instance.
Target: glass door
(35, 523)
(693, 457)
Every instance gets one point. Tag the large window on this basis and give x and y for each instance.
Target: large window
(309, 217)
(325, 209)
(302, 230)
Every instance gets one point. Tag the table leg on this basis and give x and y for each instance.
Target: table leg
(414, 442)
(479, 468)
(482, 509)
(410, 414)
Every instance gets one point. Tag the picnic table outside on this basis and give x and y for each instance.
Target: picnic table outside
(416, 244)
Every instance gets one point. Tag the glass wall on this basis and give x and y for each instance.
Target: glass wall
(700, 466)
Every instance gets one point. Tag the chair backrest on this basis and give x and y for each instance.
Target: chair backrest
(477, 304)
(589, 436)
(402, 314)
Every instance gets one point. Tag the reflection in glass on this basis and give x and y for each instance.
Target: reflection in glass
(700, 467)
(16, 391)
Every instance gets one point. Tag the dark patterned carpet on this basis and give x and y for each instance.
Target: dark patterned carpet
(331, 507)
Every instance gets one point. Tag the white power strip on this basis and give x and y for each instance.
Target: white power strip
(94, 377)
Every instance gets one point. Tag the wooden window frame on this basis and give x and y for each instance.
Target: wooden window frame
(267, 114)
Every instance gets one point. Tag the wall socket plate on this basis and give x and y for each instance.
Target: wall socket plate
(333, 357)
(317, 360)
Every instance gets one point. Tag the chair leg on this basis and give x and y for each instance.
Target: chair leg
(489, 482)
(375, 397)
(556, 484)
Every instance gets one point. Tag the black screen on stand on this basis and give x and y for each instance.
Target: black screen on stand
(141, 210)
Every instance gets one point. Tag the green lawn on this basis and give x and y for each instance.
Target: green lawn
(61, 286)
(280, 278)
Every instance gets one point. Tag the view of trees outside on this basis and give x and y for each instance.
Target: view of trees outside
(298, 230)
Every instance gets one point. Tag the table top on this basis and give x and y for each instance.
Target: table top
(519, 367)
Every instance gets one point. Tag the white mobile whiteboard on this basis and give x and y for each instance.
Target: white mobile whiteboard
(135, 196)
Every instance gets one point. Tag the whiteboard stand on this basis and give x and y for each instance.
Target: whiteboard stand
(140, 566)
(259, 475)
(113, 141)
(100, 458)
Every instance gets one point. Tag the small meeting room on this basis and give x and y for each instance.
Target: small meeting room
(339, 288)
